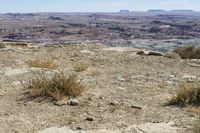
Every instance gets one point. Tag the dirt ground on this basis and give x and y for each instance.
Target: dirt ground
(125, 80)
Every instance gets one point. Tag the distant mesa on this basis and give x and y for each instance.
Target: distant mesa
(13, 14)
(173, 11)
(182, 11)
(124, 11)
(55, 18)
(156, 10)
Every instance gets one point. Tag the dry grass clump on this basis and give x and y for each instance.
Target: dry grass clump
(95, 73)
(187, 95)
(19, 45)
(188, 52)
(2, 46)
(43, 64)
(172, 55)
(194, 110)
(58, 87)
(79, 67)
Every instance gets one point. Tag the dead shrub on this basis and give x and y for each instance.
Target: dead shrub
(195, 110)
(188, 52)
(58, 86)
(43, 64)
(79, 67)
(188, 94)
(172, 55)
(95, 73)
(2, 45)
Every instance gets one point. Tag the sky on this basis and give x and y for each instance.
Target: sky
(27, 6)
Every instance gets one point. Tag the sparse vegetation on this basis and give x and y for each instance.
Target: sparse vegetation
(58, 86)
(188, 52)
(43, 64)
(18, 45)
(95, 72)
(194, 110)
(172, 55)
(79, 67)
(2, 46)
(187, 95)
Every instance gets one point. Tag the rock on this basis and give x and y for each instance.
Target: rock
(73, 102)
(1, 72)
(101, 97)
(154, 53)
(121, 49)
(16, 83)
(140, 52)
(89, 119)
(68, 130)
(114, 103)
(172, 76)
(122, 88)
(189, 78)
(87, 52)
(121, 79)
(157, 128)
(71, 59)
(2, 93)
(59, 130)
(194, 63)
(15, 71)
(62, 102)
(136, 107)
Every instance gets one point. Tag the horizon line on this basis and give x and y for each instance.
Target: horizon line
(130, 11)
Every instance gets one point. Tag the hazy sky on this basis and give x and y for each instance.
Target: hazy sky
(94, 5)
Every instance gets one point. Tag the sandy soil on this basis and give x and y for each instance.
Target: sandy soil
(126, 80)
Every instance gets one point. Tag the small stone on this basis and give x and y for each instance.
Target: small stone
(121, 79)
(114, 103)
(79, 128)
(154, 53)
(16, 83)
(90, 99)
(71, 59)
(101, 97)
(172, 76)
(2, 93)
(73, 102)
(122, 88)
(136, 107)
(87, 52)
(9, 71)
(189, 78)
(61, 102)
(89, 119)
